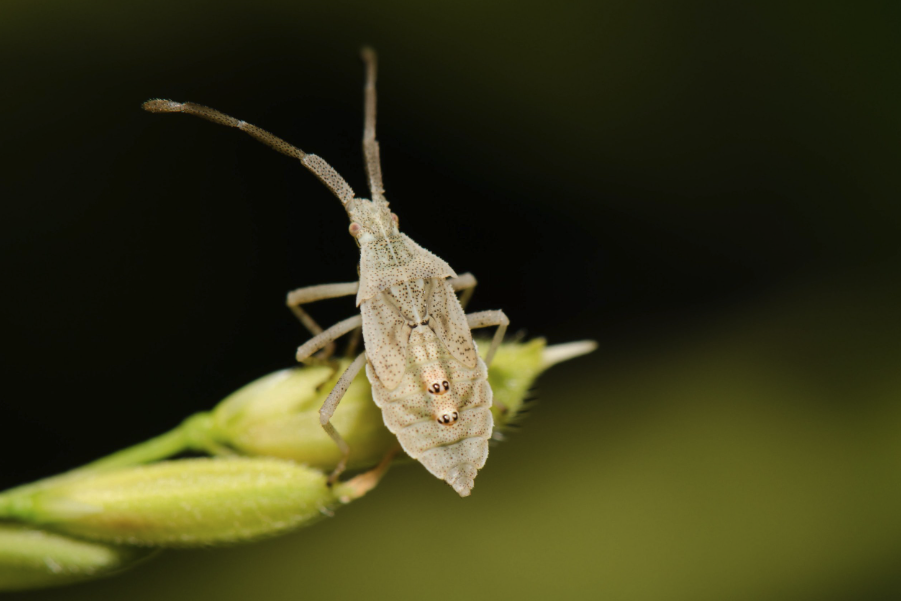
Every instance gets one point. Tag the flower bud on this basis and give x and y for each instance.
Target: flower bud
(188, 502)
(517, 365)
(32, 558)
(512, 373)
(278, 414)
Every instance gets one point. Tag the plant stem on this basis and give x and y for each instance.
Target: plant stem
(185, 437)
(189, 435)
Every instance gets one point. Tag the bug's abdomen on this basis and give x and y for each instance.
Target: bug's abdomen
(440, 411)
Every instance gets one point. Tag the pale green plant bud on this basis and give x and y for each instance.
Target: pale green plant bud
(32, 558)
(184, 503)
(513, 372)
(278, 414)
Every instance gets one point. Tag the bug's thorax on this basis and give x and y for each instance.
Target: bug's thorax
(387, 257)
(412, 299)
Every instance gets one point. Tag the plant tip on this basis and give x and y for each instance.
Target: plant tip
(558, 353)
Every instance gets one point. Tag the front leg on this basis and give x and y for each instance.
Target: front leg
(310, 294)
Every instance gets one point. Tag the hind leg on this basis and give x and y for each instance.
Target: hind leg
(467, 283)
(485, 319)
(362, 484)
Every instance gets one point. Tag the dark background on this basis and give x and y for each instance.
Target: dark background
(709, 190)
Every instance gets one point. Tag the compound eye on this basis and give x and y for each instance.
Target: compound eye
(435, 388)
(445, 385)
(354, 229)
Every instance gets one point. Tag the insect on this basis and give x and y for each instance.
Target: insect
(421, 360)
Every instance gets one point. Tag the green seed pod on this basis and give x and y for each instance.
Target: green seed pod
(512, 374)
(278, 415)
(31, 558)
(189, 502)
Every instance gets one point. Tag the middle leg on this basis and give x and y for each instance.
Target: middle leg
(306, 350)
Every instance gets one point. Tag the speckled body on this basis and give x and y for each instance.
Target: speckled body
(422, 362)
(440, 409)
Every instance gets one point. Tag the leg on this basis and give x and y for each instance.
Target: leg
(353, 343)
(328, 410)
(306, 350)
(326, 174)
(301, 296)
(466, 282)
(484, 319)
(370, 146)
(358, 486)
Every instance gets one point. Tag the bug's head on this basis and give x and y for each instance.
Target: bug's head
(371, 220)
